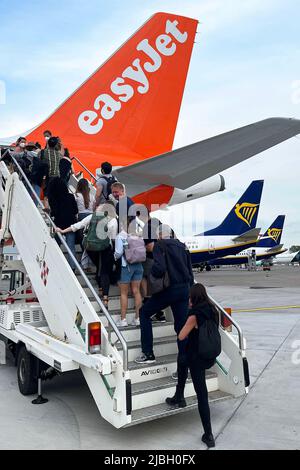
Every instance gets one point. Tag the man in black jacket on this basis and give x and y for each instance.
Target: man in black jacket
(169, 254)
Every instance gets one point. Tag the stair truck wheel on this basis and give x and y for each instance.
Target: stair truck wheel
(26, 370)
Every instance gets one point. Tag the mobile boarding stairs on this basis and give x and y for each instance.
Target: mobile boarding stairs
(62, 325)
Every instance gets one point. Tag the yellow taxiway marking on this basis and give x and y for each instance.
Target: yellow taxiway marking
(265, 308)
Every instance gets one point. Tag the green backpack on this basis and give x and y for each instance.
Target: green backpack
(91, 240)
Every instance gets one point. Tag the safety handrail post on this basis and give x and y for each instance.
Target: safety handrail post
(85, 168)
(229, 318)
(81, 272)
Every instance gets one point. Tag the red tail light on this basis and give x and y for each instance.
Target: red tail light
(10, 300)
(32, 299)
(94, 337)
(226, 323)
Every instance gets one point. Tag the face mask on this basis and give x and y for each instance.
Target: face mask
(47, 138)
(22, 145)
(32, 153)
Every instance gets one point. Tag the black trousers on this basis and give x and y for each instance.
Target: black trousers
(103, 260)
(199, 382)
(177, 297)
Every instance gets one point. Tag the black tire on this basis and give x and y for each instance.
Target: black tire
(208, 268)
(27, 372)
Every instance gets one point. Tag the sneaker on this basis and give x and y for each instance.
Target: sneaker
(209, 440)
(175, 376)
(176, 402)
(159, 317)
(122, 322)
(135, 322)
(145, 359)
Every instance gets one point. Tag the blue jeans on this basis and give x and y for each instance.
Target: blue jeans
(131, 272)
(37, 190)
(83, 215)
(177, 297)
(70, 239)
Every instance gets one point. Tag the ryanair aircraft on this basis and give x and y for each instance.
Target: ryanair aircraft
(236, 233)
(287, 258)
(267, 247)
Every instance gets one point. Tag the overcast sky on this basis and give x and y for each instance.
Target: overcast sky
(245, 67)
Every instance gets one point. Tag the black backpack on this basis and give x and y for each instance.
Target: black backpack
(209, 340)
(26, 164)
(39, 169)
(110, 181)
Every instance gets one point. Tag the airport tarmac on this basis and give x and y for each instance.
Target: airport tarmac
(267, 307)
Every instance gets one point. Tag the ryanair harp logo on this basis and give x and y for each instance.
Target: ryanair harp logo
(274, 233)
(246, 212)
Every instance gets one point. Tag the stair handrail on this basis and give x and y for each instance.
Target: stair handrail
(234, 323)
(78, 267)
(84, 167)
(103, 308)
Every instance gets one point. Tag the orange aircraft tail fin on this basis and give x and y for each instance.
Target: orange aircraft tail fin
(128, 109)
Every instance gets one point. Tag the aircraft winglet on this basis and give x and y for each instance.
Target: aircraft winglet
(248, 236)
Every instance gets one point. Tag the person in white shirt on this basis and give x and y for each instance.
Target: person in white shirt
(85, 200)
(103, 260)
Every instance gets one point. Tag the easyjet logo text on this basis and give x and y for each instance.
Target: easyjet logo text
(91, 121)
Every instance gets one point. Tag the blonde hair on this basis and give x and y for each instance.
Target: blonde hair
(118, 185)
(165, 231)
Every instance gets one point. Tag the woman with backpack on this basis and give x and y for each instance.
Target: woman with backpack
(130, 248)
(201, 312)
(101, 230)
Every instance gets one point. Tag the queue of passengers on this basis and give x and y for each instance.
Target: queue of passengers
(139, 253)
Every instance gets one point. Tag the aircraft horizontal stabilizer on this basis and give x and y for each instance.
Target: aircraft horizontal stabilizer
(275, 248)
(248, 236)
(189, 165)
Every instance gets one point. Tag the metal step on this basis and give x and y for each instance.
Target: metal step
(133, 333)
(91, 277)
(96, 306)
(164, 366)
(166, 382)
(115, 314)
(157, 341)
(113, 303)
(78, 249)
(161, 346)
(160, 361)
(114, 291)
(163, 410)
(159, 390)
